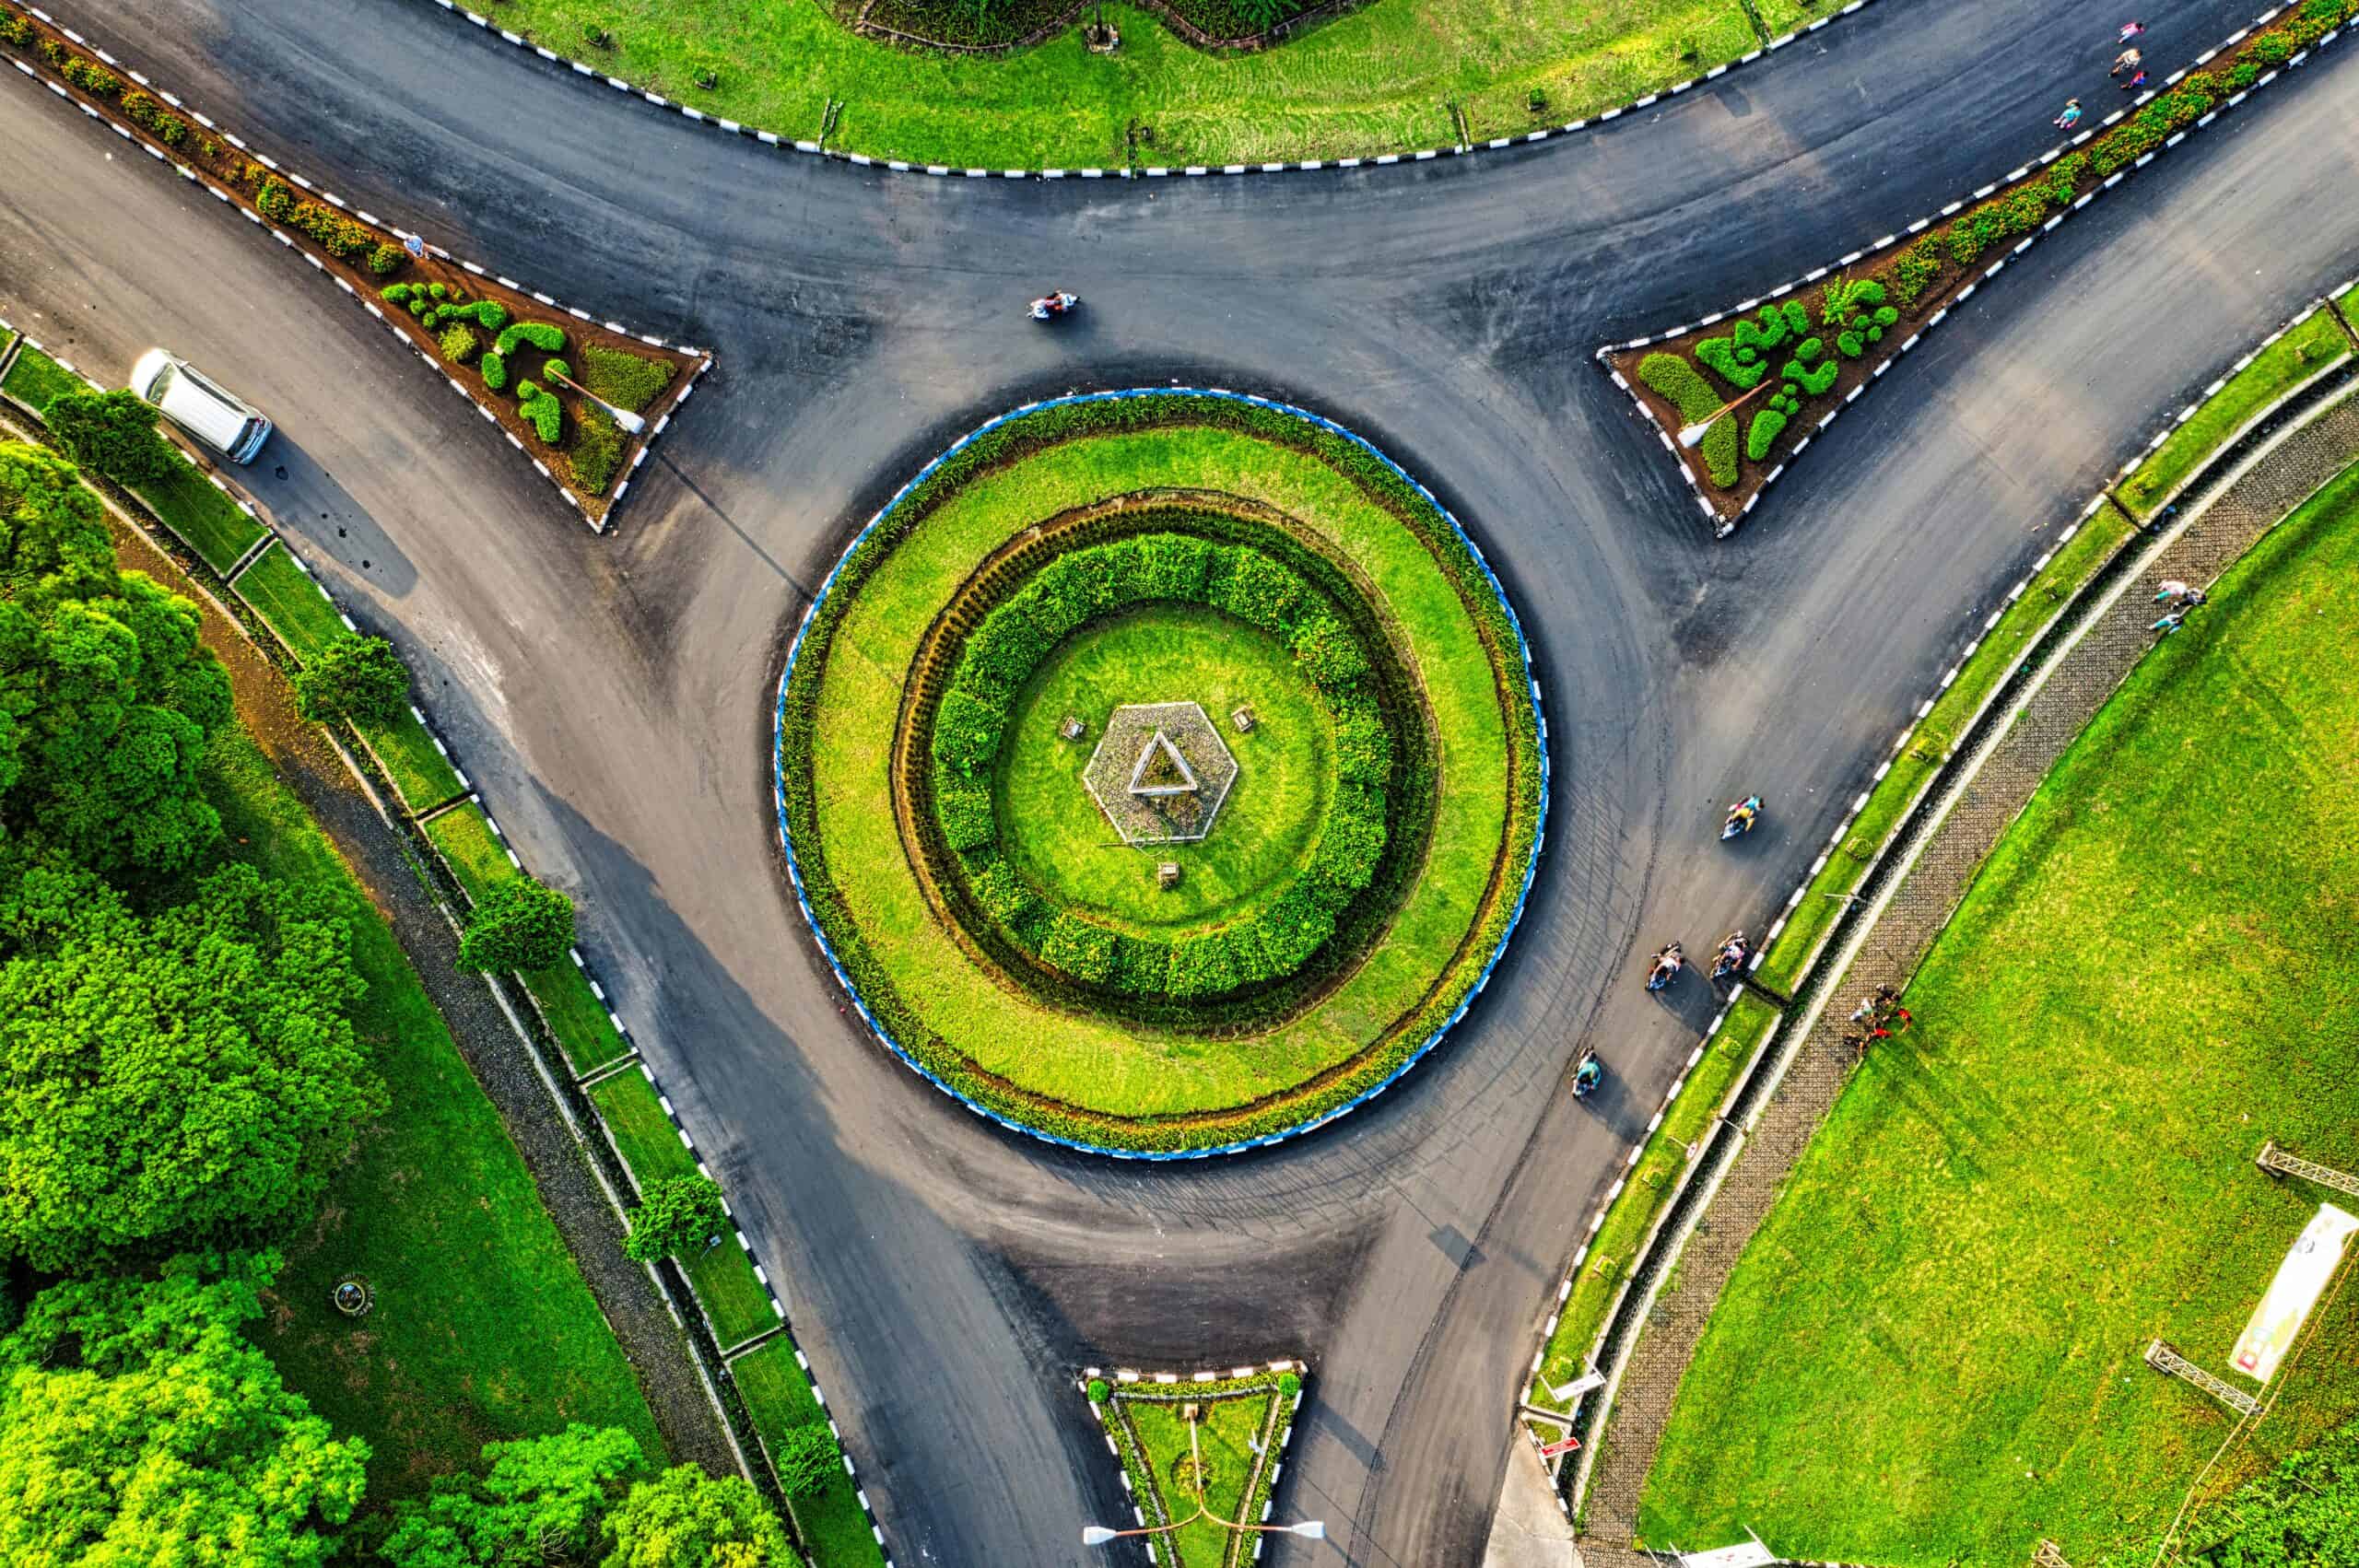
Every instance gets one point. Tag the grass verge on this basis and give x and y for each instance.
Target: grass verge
(1996, 656)
(483, 1329)
(777, 1395)
(576, 1016)
(417, 766)
(35, 377)
(1650, 1187)
(207, 521)
(1960, 1276)
(2309, 349)
(289, 603)
(472, 851)
(1381, 79)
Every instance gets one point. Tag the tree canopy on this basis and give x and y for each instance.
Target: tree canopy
(139, 1426)
(521, 924)
(360, 678)
(675, 1214)
(807, 1458)
(111, 433)
(177, 1076)
(106, 695)
(686, 1519)
(540, 1503)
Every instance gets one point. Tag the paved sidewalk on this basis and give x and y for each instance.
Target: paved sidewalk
(1528, 1529)
(2075, 689)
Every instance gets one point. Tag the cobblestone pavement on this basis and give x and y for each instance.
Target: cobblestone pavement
(2236, 517)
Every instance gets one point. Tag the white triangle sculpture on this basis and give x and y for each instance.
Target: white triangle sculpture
(1161, 743)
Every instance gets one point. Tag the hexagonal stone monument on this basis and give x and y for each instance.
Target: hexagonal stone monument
(1160, 772)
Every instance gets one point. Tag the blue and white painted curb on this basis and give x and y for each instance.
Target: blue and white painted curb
(903, 165)
(827, 950)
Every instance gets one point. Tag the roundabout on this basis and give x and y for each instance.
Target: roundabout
(1190, 761)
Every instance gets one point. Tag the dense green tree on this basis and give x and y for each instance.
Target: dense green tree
(359, 678)
(178, 1076)
(686, 1519)
(675, 1215)
(540, 1504)
(807, 1458)
(111, 433)
(106, 695)
(139, 1427)
(521, 924)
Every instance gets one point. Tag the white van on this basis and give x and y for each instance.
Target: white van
(209, 412)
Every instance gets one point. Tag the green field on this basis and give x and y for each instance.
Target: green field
(1935, 738)
(1094, 1063)
(1056, 836)
(2148, 977)
(291, 603)
(778, 1396)
(2308, 350)
(35, 377)
(1378, 80)
(483, 1329)
(206, 520)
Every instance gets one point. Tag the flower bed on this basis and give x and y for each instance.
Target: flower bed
(462, 317)
(1791, 362)
(1226, 1469)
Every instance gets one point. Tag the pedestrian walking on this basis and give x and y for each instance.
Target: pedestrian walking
(2134, 83)
(2127, 59)
(2171, 589)
(2072, 115)
(2131, 30)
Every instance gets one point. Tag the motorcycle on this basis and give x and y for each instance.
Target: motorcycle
(1050, 307)
(1741, 816)
(1666, 968)
(1734, 952)
(1587, 1074)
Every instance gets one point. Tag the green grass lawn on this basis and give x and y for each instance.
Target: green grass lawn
(2349, 306)
(289, 603)
(206, 520)
(1930, 1352)
(474, 852)
(778, 1396)
(575, 1015)
(483, 1329)
(1056, 836)
(2306, 351)
(1652, 1183)
(2002, 648)
(1381, 79)
(35, 377)
(422, 773)
(1092, 1061)
(1221, 1441)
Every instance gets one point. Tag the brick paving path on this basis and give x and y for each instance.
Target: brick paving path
(2229, 524)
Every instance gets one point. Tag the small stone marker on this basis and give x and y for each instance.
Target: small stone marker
(1072, 729)
(1243, 718)
(1167, 875)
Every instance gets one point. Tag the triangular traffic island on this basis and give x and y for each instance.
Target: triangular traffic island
(1202, 1453)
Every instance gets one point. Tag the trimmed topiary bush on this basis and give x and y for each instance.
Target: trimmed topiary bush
(458, 344)
(1726, 361)
(1720, 451)
(538, 334)
(1674, 378)
(387, 260)
(1766, 426)
(494, 370)
(627, 381)
(597, 451)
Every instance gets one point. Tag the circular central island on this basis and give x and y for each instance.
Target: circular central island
(1161, 771)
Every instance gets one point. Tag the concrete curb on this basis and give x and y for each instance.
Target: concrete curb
(1723, 527)
(794, 869)
(904, 166)
(433, 361)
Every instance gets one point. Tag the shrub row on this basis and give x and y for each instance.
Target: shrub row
(548, 339)
(1081, 586)
(596, 452)
(627, 381)
(1048, 427)
(147, 114)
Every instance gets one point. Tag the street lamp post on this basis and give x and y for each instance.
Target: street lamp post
(1691, 434)
(1309, 1529)
(622, 416)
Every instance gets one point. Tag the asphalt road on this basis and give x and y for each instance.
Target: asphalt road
(612, 695)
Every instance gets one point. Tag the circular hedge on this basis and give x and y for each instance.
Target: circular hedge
(1371, 832)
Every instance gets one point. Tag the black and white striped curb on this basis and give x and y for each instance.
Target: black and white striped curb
(1722, 528)
(703, 357)
(1180, 1382)
(904, 166)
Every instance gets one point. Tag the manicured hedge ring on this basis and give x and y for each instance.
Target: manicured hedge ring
(1160, 548)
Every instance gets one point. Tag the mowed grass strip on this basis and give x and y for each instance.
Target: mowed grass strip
(2001, 650)
(576, 1016)
(421, 774)
(206, 520)
(643, 1135)
(35, 377)
(2308, 350)
(1093, 1062)
(289, 603)
(1378, 80)
(778, 1396)
(1653, 1182)
(471, 849)
(483, 1329)
(1930, 1352)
